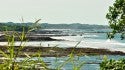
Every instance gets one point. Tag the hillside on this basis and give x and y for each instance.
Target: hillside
(18, 26)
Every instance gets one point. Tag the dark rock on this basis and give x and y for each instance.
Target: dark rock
(30, 38)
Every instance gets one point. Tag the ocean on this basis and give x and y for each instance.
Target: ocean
(87, 40)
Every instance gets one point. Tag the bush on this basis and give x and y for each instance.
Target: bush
(113, 64)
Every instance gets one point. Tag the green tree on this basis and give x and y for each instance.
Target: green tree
(116, 18)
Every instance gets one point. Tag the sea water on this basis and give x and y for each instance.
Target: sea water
(87, 40)
(90, 62)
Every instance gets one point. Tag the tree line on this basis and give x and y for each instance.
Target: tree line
(10, 26)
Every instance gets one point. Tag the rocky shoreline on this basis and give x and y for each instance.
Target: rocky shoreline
(30, 38)
(57, 52)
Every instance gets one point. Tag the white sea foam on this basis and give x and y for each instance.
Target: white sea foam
(71, 41)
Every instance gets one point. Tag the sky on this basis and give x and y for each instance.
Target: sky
(55, 11)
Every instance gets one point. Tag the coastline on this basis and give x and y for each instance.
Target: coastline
(58, 52)
(30, 38)
(55, 51)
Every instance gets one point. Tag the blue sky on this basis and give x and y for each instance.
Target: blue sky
(55, 11)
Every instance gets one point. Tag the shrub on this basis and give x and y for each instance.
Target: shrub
(113, 64)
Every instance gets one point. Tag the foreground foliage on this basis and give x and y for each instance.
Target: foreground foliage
(113, 64)
(10, 57)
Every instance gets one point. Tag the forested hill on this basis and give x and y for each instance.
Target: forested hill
(18, 26)
(73, 26)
